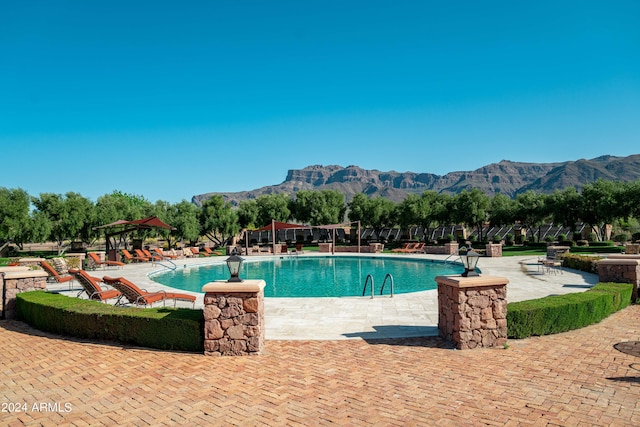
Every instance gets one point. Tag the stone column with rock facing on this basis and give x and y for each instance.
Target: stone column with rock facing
(234, 318)
(473, 310)
(621, 269)
(14, 280)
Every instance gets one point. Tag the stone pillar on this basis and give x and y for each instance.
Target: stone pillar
(472, 311)
(234, 318)
(493, 250)
(14, 280)
(451, 248)
(621, 269)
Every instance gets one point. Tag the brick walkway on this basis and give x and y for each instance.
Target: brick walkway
(575, 378)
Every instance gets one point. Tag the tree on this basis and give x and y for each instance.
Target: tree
(501, 210)
(123, 206)
(248, 214)
(318, 207)
(15, 221)
(218, 221)
(422, 211)
(472, 209)
(272, 207)
(186, 222)
(601, 205)
(565, 207)
(69, 215)
(530, 210)
(377, 213)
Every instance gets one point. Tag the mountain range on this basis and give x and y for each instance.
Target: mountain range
(506, 177)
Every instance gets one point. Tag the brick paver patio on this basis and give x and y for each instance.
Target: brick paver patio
(585, 377)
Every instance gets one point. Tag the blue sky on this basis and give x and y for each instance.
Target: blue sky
(172, 99)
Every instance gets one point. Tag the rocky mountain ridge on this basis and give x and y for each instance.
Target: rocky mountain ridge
(506, 177)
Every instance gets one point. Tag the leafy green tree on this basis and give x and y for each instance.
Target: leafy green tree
(186, 222)
(272, 206)
(218, 221)
(69, 215)
(377, 213)
(472, 209)
(318, 207)
(602, 205)
(123, 206)
(565, 207)
(248, 214)
(531, 211)
(15, 221)
(501, 210)
(422, 211)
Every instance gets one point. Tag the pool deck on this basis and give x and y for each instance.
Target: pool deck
(586, 377)
(403, 316)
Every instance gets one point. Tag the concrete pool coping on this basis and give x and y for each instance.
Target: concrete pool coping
(404, 315)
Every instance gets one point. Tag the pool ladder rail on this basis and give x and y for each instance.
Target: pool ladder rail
(384, 282)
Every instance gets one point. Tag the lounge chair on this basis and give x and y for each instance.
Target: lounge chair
(196, 252)
(208, 251)
(161, 253)
(90, 286)
(137, 296)
(130, 258)
(96, 261)
(149, 255)
(418, 248)
(404, 248)
(54, 275)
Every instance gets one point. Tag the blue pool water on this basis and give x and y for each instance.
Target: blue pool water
(320, 276)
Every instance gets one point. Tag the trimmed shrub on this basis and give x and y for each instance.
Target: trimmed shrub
(162, 328)
(561, 313)
(581, 262)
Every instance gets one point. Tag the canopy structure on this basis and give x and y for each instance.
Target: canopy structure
(277, 225)
(122, 226)
(273, 227)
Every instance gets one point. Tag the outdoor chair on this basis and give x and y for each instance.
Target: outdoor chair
(90, 286)
(161, 253)
(196, 252)
(210, 252)
(138, 297)
(404, 248)
(149, 255)
(97, 262)
(54, 275)
(130, 258)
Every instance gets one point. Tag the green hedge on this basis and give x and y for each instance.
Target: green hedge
(162, 328)
(561, 313)
(581, 262)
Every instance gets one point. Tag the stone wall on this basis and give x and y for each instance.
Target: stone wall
(472, 310)
(14, 280)
(234, 318)
(447, 249)
(621, 269)
(632, 248)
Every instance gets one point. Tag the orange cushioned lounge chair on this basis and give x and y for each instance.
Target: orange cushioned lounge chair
(143, 253)
(208, 251)
(53, 274)
(137, 296)
(164, 254)
(130, 258)
(95, 259)
(92, 288)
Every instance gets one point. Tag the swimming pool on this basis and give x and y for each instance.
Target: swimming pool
(319, 276)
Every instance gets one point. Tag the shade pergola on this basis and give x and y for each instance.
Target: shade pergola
(277, 225)
(121, 227)
(273, 227)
